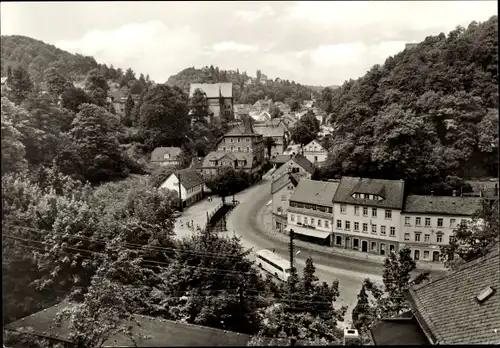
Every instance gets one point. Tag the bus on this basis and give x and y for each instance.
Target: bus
(274, 264)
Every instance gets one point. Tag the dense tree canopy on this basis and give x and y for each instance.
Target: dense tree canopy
(306, 129)
(164, 117)
(429, 112)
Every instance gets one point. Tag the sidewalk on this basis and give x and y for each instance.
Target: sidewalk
(196, 213)
(265, 222)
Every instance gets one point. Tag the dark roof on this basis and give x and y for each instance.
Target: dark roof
(447, 308)
(269, 131)
(197, 162)
(404, 330)
(315, 192)
(189, 178)
(283, 180)
(281, 159)
(235, 156)
(442, 205)
(244, 129)
(213, 90)
(159, 152)
(151, 332)
(304, 163)
(391, 190)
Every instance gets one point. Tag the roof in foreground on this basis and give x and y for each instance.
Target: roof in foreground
(304, 163)
(189, 178)
(403, 330)
(315, 192)
(159, 332)
(449, 308)
(391, 190)
(213, 90)
(442, 205)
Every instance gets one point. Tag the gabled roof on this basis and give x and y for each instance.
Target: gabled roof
(304, 163)
(159, 152)
(147, 332)
(442, 205)
(235, 156)
(281, 159)
(4, 79)
(315, 192)
(391, 190)
(447, 308)
(317, 143)
(269, 131)
(189, 178)
(213, 90)
(283, 180)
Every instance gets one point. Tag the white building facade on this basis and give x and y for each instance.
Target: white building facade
(191, 185)
(367, 214)
(315, 152)
(428, 223)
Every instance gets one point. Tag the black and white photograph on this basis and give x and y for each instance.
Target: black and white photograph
(249, 173)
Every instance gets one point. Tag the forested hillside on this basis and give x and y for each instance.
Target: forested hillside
(246, 90)
(428, 114)
(36, 57)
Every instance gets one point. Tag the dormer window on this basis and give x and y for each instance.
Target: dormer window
(485, 294)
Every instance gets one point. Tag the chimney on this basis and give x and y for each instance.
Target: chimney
(432, 193)
(454, 193)
(351, 337)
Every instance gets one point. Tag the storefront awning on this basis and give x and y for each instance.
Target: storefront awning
(308, 232)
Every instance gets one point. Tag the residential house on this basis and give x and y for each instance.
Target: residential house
(460, 307)
(282, 189)
(219, 97)
(119, 100)
(260, 116)
(296, 164)
(310, 211)
(146, 331)
(428, 222)
(315, 152)
(487, 189)
(191, 185)
(166, 156)
(283, 107)
(292, 149)
(241, 148)
(241, 109)
(367, 214)
(276, 134)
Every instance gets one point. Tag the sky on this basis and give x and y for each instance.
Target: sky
(314, 43)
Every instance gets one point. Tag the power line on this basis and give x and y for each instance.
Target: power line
(150, 247)
(260, 293)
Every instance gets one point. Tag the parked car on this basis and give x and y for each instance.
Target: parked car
(176, 214)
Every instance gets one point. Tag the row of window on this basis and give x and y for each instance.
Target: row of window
(343, 210)
(231, 140)
(427, 237)
(439, 223)
(383, 228)
(310, 221)
(247, 149)
(311, 206)
(373, 245)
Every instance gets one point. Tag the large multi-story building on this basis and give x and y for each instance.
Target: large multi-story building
(219, 97)
(310, 211)
(240, 148)
(367, 214)
(428, 222)
(278, 136)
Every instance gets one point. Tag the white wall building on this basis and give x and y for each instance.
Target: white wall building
(191, 185)
(282, 189)
(315, 152)
(428, 222)
(367, 215)
(310, 211)
(296, 164)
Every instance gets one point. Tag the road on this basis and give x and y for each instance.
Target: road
(350, 273)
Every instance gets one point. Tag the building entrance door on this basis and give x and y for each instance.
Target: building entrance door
(364, 246)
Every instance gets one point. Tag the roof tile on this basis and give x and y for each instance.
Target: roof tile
(315, 192)
(448, 306)
(442, 205)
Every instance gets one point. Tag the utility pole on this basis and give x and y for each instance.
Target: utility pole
(180, 194)
(291, 248)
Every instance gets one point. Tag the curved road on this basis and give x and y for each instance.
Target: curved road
(244, 222)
